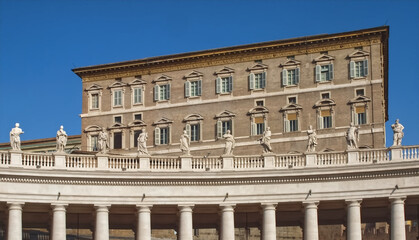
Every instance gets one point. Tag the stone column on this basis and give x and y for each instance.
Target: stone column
(59, 229)
(353, 231)
(269, 221)
(14, 227)
(185, 222)
(102, 222)
(143, 222)
(311, 226)
(227, 222)
(398, 230)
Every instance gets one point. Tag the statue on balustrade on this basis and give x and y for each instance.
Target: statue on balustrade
(15, 137)
(142, 143)
(352, 136)
(397, 133)
(61, 139)
(312, 140)
(229, 144)
(265, 141)
(103, 145)
(185, 142)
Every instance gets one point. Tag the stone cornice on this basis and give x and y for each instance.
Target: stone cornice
(280, 176)
(229, 55)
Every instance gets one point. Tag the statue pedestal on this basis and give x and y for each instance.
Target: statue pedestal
(144, 162)
(269, 160)
(311, 159)
(228, 161)
(102, 161)
(59, 160)
(15, 158)
(186, 162)
(396, 153)
(353, 156)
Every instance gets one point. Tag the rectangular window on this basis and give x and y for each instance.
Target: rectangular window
(117, 119)
(225, 85)
(164, 135)
(162, 92)
(117, 140)
(290, 76)
(325, 119)
(194, 89)
(324, 73)
(292, 121)
(94, 142)
(358, 68)
(361, 116)
(195, 134)
(136, 134)
(325, 95)
(223, 126)
(137, 95)
(138, 116)
(95, 101)
(117, 98)
(260, 103)
(260, 125)
(292, 100)
(360, 92)
(257, 80)
(292, 80)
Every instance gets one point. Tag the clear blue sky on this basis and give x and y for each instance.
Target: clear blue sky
(41, 41)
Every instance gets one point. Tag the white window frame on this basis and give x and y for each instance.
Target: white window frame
(286, 82)
(134, 89)
(329, 93)
(111, 138)
(225, 73)
(253, 125)
(220, 127)
(292, 96)
(190, 92)
(287, 122)
(137, 113)
(157, 92)
(356, 89)
(260, 100)
(122, 118)
(320, 118)
(359, 56)
(90, 99)
(261, 85)
(113, 97)
(319, 72)
(157, 135)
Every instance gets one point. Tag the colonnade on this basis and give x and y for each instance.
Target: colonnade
(143, 225)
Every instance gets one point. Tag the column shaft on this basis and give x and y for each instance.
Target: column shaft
(227, 222)
(102, 223)
(353, 231)
(311, 227)
(269, 222)
(398, 230)
(14, 228)
(185, 223)
(59, 229)
(143, 223)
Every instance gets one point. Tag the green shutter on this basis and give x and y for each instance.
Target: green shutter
(156, 92)
(263, 83)
(330, 71)
(365, 67)
(219, 129)
(168, 91)
(284, 77)
(251, 81)
(157, 136)
(187, 89)
(318, 73)
(230, 84)
(297, 75)
(253, 130)
(351, 69)
(199, 87)
(286, 125)
(188, 129)
(218, 85)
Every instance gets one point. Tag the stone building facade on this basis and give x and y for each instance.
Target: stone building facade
(327, 81)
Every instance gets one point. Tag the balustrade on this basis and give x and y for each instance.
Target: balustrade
(198, 163)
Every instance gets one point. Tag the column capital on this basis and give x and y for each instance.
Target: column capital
(185, 207)
(353, 202)
(59, 206)
(311, 204)
(144, 208)
(268, 206)
(227, 207)
(397, 199)
(15, 205)
(102, 208)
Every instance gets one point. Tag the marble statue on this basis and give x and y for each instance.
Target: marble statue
(397, 133)
(103, 145)
(185, 142)
(312, 140)
(142, 143)
(15, 137)
(61, 139)
(265, 141)
(352, 136)
(230, 142)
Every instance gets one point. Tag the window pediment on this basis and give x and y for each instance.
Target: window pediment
(359, 99)
(323, 58)
(117, 126)
(137, 81)
(225, 70)
(117, 84)
(257, 110)
(94, 87)
(93, 128)
(259, 66)
(193, 74)
(137, 123)
(291, 107)
(193, 117)
(163, 121)
(358, 53)
(290, 62)
(324, 103)
(225, 114)
(162, 78)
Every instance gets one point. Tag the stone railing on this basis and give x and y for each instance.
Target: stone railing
(197, 163)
